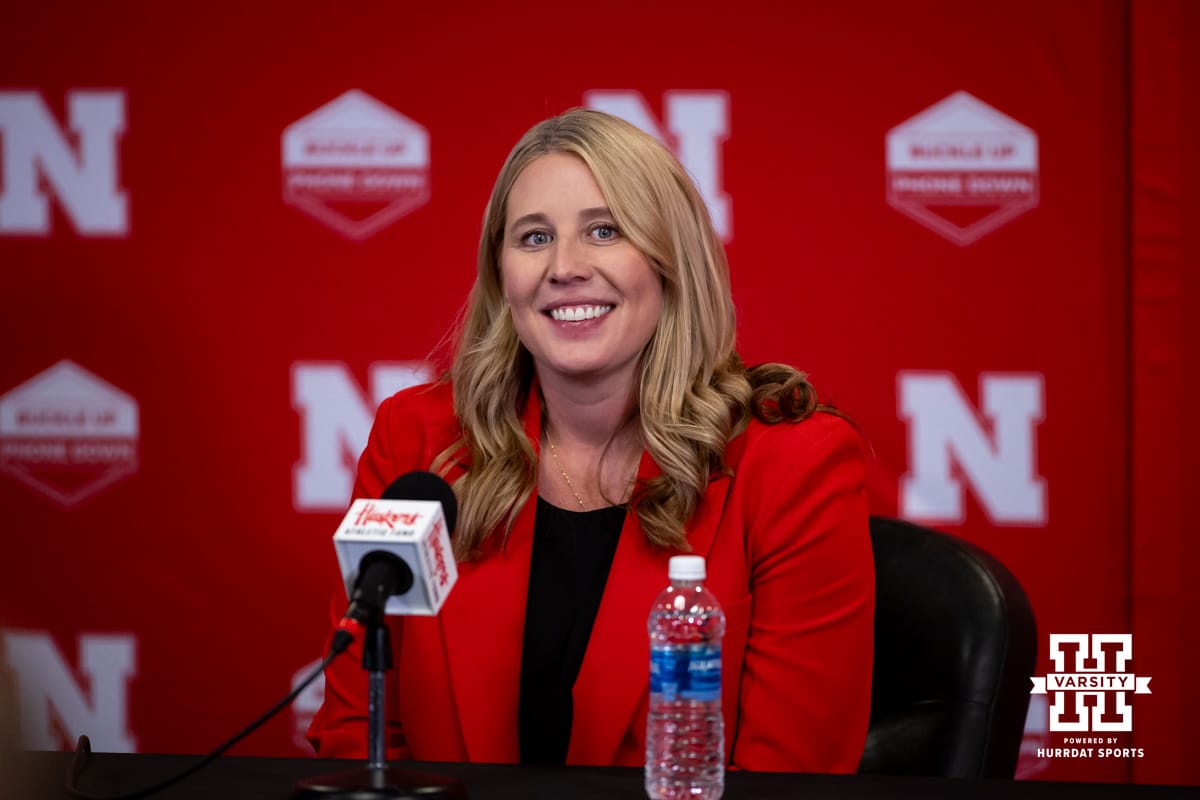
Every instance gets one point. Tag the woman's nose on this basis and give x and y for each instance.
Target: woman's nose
(569, 261)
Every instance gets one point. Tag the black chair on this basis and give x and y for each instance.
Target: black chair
(955, 646)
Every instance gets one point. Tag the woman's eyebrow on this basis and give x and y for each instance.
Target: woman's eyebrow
(536, 218)
(539, 218)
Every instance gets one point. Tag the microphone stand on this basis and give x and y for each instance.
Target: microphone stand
(377, 660)
(378, 781)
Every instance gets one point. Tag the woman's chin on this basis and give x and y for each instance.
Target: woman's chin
(583, 370)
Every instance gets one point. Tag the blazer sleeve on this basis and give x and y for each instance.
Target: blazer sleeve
(805, 689)
(396, 444)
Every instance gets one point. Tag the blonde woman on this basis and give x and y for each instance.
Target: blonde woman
(597, 420)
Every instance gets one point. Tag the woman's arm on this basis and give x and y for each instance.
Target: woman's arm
(339, 728)
(805, 692)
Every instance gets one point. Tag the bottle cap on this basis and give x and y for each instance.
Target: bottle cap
(686, 568)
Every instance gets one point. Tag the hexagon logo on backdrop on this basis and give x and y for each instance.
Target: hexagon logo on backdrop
(68, 434)
(962, 169)
(356, 165)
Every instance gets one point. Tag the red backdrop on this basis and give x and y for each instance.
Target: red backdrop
(226, 233)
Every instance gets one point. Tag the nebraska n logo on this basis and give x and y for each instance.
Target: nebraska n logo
(694, 126)
(79, 165)
(1089, 672)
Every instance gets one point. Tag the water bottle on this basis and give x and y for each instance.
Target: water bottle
(685, 732)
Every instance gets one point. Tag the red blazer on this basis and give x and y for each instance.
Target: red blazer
(789, 558)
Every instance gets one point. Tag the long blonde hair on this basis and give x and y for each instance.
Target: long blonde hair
(694, 393)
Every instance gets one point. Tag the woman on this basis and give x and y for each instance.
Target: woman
(595, 421)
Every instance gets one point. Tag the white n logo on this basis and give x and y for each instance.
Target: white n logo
(336, 420)
(697, 124)
(996, 455)
(51, 699)
(32, 147)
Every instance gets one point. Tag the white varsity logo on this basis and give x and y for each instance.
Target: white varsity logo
(68, 434)
(962, 168)
(995, 452)
(356, 165)
(697, 123)
(38, 157)
(54, 703)
(1090, 670)
(335, 421)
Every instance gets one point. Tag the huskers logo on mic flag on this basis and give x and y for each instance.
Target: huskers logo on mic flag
(413, 530)
(68, 434)
(356, 165)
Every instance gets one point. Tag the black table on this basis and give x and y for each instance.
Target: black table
(40, 776)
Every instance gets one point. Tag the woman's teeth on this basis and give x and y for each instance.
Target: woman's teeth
(579, 313)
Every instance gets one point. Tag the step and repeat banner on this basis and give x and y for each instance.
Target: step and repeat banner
(228, 231)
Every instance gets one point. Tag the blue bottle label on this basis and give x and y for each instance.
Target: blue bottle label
(688, 672)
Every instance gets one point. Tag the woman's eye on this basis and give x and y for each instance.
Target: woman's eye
(536, 238)
(604, 232)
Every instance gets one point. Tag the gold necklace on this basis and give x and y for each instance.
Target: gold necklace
(566, 477)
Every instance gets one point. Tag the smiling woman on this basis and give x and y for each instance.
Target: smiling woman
(584, 301)
(600, 330)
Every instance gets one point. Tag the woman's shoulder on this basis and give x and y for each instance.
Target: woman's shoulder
(427, 408)
(818, 437)
(426, 400)
(779, 465)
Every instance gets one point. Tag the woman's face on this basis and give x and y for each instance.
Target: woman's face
(584, 300)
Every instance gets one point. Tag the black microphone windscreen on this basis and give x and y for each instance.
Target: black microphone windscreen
(418, 485)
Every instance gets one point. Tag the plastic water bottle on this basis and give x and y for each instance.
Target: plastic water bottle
(685, 732)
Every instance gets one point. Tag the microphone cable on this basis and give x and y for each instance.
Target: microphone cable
(412, 485)
(83, 749)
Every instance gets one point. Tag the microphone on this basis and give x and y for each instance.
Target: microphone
(395, 558)
(394, 553)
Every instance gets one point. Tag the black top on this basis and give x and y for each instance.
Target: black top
(572, 553)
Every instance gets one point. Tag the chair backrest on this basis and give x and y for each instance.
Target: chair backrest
(955, 646)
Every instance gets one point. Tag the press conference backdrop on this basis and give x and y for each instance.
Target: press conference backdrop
(228, 230)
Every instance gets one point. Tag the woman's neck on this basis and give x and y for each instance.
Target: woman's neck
(590, 445)
(587, 415)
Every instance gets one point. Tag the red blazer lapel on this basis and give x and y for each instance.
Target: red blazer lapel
(613, 683)
(614, 674)
(483, 624)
